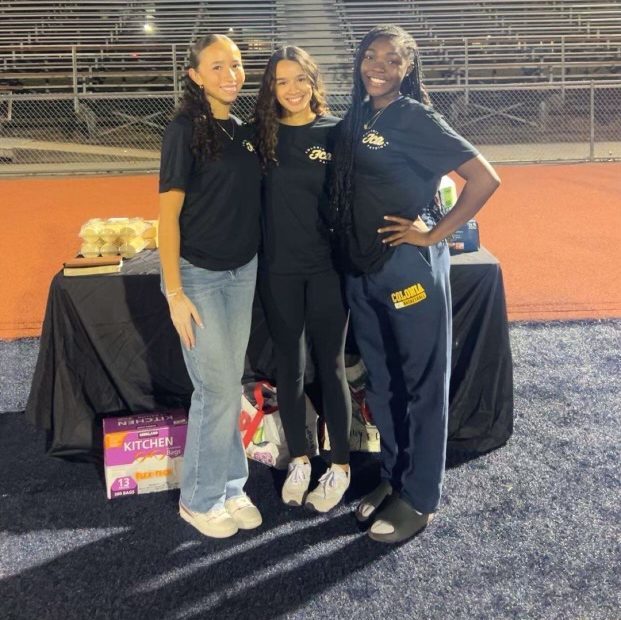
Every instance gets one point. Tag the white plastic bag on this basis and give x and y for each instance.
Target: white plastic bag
(268, 444)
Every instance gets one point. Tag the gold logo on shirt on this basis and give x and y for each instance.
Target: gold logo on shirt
(249, 146)
(318, 153)
(408, 296)
(374, 140)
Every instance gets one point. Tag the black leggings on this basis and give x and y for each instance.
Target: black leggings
(297, 306)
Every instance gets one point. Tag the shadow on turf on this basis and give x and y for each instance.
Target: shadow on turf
(157, 565)
(160, 567)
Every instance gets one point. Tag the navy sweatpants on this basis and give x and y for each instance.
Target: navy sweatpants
(401, 317)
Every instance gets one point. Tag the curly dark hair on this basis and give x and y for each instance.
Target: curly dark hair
(352, 125)
(267, 110)
(207, 141)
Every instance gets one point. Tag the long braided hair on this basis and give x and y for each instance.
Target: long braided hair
(207, 141)
(267, 110)
(352, 125)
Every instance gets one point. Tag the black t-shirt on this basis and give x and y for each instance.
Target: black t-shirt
(295, 239)
(219, 220)
(399, 162)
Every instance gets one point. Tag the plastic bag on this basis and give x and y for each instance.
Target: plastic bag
(261, 423)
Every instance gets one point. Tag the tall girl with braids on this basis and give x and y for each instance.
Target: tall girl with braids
(208, 235)
(300, 289)
(393, 151)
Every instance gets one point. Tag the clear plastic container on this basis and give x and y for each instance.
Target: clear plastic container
(448, 192)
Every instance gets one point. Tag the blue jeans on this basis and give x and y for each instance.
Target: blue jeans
(214, 465)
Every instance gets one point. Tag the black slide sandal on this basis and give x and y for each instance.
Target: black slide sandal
(405, 520)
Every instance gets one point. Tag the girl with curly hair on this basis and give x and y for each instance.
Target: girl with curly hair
(209, 230)
(298, 284)
(393, 151)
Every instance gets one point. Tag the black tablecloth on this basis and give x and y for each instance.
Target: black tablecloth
(109, 348)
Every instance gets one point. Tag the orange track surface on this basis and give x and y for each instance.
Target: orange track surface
(554, 228)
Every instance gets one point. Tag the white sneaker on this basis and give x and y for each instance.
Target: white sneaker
(296, 483)
(245, 514)
(330, 490)
(216, 522)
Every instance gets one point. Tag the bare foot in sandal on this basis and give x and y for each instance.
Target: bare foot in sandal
(371, 502)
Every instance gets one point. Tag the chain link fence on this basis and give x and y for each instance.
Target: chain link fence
(577, 122)
(99, 133)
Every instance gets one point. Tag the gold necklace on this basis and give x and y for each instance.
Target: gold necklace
(231, 136)
(371, 121)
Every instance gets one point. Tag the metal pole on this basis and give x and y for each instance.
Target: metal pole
(563, 68)
(74, 71)
(592, 123)
(466, 85)
(175, 75)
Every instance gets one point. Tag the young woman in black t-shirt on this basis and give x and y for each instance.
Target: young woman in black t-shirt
(392, 154)
(210, 181)
(299, 287)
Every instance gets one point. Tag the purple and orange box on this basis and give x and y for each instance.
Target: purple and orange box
(143, 452)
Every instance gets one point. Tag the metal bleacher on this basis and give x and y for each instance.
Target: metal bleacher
(86, 82)
(498, 41)
(119, 45)
(123, 45)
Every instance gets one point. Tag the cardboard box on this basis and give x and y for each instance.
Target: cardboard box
(465, 239)
(143, 453)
